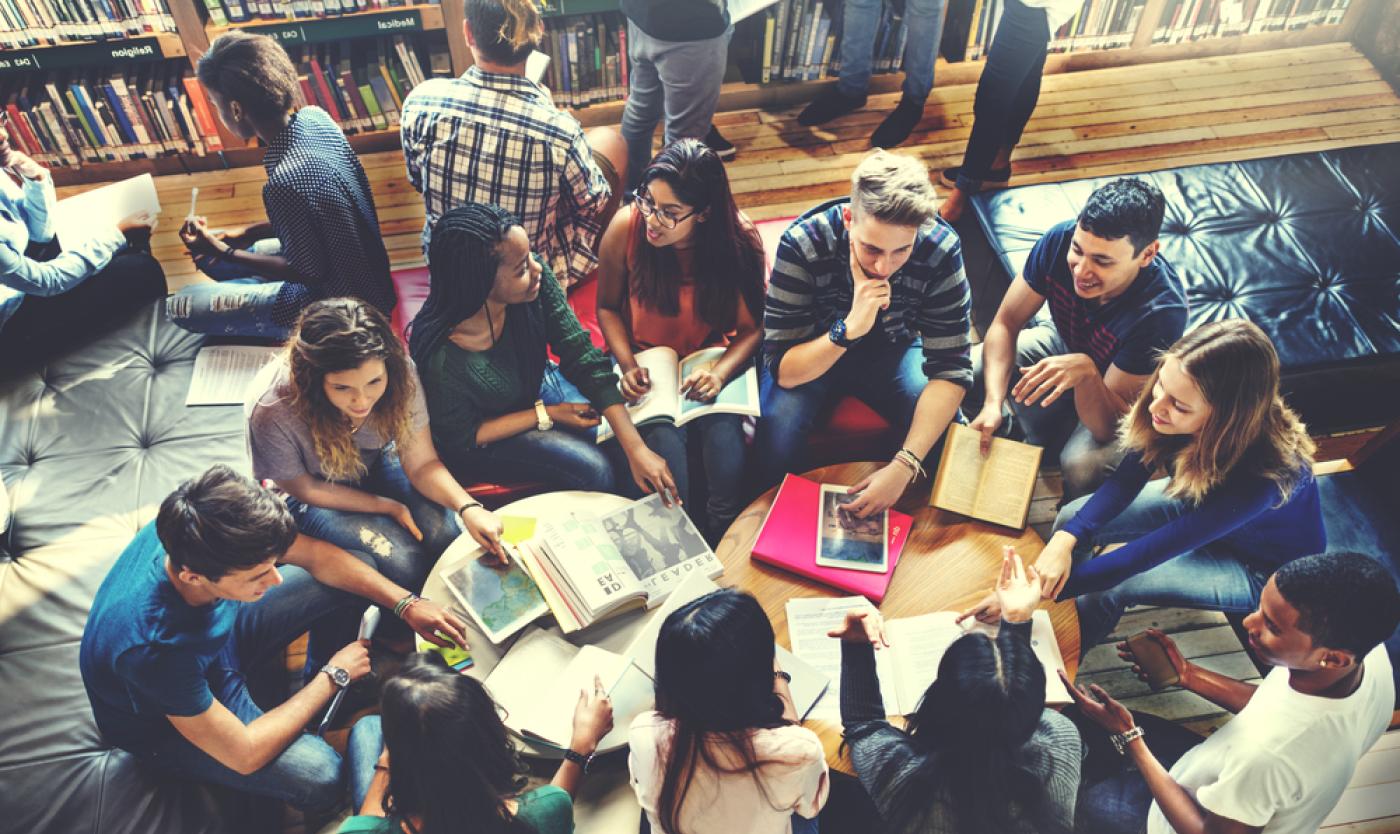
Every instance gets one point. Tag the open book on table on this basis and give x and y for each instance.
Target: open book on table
(807, 686)
(917, 645)
(590, 568)
(544, 713)
(996, 487)
(666, 402)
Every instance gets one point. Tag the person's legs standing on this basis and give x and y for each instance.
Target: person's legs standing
(724, 454)
(1006, 92)
(788, 417)
(646, 100)
(923, 20)
(46, 326)
(859, 21)
(692, 74)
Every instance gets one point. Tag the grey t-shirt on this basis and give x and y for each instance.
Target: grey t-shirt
(280, 441)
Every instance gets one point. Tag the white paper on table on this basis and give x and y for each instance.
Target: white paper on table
(74, 217)
(224, 374)
(809, 620)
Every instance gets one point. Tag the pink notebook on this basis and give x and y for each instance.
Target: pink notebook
(789, 540)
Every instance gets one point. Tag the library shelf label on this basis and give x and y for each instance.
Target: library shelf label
(331, 29)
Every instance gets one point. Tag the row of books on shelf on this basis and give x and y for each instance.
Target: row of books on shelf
(29, 23)
(801, 40)
(1185, 20)
(588, 58)
(61, 119)
(223, 12)
(362, 84)
(1099, 24)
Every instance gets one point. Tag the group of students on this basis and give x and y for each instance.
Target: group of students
(367, 443)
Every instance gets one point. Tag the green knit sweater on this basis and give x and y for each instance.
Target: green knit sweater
(465, 388)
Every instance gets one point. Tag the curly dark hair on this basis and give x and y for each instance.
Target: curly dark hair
(1126, 207)
(253, 70)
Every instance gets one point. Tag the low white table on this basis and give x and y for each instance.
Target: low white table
(613, 634)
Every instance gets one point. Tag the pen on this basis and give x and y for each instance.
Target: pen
(194, 196)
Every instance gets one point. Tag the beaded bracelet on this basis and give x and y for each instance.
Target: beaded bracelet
(912, 461)
(404, 604)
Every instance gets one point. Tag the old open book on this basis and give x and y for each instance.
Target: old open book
(995, 488)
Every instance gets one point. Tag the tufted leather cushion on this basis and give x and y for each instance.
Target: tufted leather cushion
(1306, 246)
(88, 449)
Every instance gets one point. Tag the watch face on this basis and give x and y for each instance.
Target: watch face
(339, 676)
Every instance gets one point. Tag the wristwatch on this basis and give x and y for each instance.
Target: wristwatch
(542, 418)
(584, 762)
(837, 334)
(1122, 740)
(338, 676)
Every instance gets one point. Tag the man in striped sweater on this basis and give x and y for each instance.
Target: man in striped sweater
(868, 299)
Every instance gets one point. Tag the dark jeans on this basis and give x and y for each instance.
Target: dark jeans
(889, 378)
(1007, 91)
(46, 326)
(308, 773)
(1112, 795)
(723, 452)
(564, 459)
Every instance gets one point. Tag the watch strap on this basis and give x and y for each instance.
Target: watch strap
(1123, 739)
(578, 758)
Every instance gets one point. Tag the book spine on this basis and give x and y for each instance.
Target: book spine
(203, 114)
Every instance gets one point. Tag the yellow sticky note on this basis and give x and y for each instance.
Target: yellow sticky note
(457, 658)
(518, 528)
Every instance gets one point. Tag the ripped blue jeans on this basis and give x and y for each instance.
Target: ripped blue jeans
(396, 553)
(241, 303)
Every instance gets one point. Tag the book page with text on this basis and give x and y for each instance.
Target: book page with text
(917, 646)
(663, 400)
(739, 395)
(959, 471)
(1007, 481)
(809, 620)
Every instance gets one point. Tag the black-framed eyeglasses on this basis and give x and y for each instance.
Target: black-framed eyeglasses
(648, 208)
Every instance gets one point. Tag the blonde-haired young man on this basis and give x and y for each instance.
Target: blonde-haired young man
(868, 299)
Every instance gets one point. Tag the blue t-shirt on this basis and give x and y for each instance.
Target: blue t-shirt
(145, 650)
(1128, 331)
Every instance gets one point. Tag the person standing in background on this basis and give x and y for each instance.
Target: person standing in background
(923, 21)
(1006, 97)
(677, 50)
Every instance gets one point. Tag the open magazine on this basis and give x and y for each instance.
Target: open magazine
(917, 645)
(589, 568)
(666, 402)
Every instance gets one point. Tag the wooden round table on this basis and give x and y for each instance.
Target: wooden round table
(948, 563)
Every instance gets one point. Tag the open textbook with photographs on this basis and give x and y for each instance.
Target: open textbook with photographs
(666, 401)
(588, 568)
(917, 645)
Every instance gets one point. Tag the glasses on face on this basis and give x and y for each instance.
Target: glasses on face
(648, 208)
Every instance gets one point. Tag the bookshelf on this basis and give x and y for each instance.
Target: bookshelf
(1105, 33)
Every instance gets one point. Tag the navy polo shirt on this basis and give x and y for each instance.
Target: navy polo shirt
(1131, 330)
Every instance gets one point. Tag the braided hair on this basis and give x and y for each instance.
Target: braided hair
(253, 70)
(463, 256)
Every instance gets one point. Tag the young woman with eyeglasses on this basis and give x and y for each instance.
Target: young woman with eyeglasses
(681, 267)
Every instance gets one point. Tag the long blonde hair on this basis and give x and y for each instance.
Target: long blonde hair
(1235, 366)
(340, 334)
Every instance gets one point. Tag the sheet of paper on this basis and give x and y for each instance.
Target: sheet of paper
(917, 645)
(808, 685)
(535, 66)
(223, 374)
(740, 9)
(75, 216)
(809, 620)
(663, 400)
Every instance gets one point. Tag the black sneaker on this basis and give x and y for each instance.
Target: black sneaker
(827, 106)
(996, 178)
(898, 124)
(723, 148)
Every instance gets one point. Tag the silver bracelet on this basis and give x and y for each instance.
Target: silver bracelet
(1122, 740)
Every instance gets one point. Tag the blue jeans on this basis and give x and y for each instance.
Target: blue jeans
(565, 459)
(1007, 92)
(1209, 577)
(1112, 794)
(361, 755)
(723, 453)
(1084, 462)
(888, 378)
(396, 554)
(924, 21)
(241, 304)
(308, 773)
(680, 80)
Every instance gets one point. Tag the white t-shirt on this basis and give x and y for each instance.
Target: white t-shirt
(1056, 11)
(1283, 762)
(795, 782)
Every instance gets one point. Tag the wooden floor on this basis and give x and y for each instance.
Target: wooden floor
(1101, 122)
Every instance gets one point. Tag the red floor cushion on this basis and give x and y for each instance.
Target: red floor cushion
(854, 432)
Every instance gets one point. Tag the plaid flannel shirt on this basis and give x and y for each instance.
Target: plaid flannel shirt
(494, 138)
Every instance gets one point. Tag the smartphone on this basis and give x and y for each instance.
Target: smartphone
(1152, 659)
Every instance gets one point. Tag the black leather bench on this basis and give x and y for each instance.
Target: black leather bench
(1306, 246)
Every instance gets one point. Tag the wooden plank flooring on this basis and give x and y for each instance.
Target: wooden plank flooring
(1093, 123)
